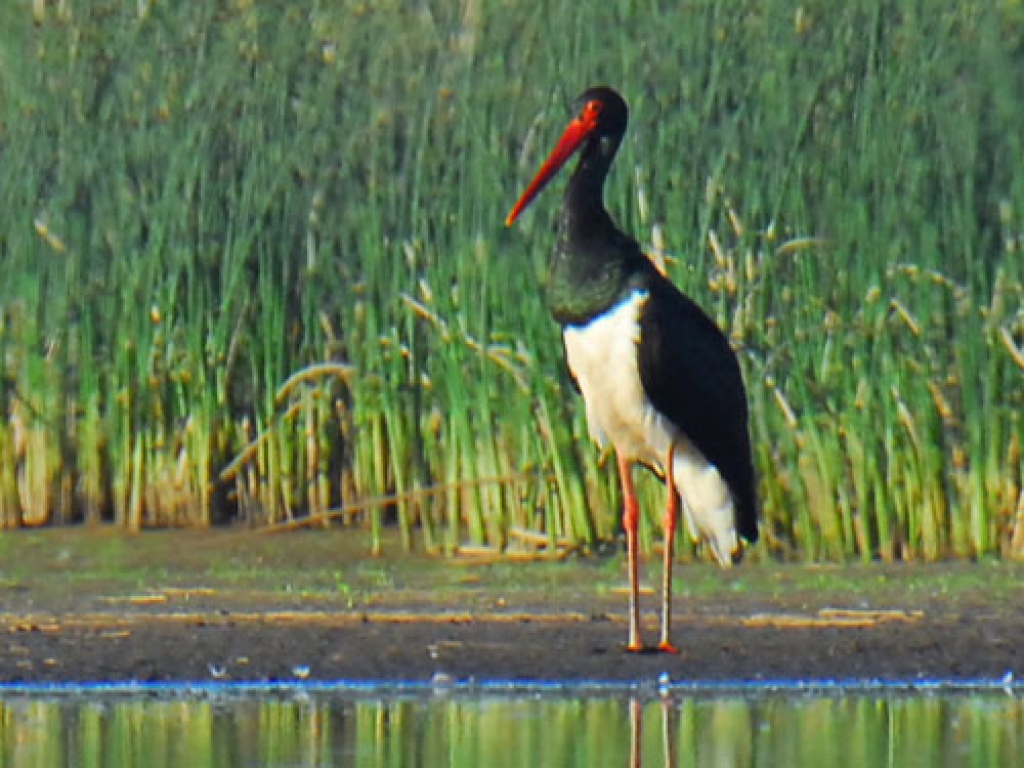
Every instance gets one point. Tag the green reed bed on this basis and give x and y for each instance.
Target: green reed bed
(255, 269)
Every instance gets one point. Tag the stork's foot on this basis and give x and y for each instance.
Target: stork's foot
(638, 647)
(663, 647)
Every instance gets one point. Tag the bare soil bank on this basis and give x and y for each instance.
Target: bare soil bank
(171, 606)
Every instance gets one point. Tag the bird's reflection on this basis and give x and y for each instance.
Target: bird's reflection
(668, 733)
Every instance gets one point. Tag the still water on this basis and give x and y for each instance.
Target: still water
(323, 728)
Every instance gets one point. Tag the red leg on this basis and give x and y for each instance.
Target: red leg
(631, 522)
(671, 517)
(636, 714)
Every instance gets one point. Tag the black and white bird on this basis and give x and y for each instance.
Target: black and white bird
(658, 377)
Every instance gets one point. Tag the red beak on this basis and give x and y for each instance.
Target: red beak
(578, 130)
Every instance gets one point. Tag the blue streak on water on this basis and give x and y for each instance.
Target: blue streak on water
(810, 686)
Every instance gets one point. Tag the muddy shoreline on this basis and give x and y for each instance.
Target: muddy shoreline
(743, 643)
(284, 610)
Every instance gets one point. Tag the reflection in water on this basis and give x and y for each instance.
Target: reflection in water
(636, 715)
(763, 730)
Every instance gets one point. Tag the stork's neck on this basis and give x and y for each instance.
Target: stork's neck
(584, 196)
(593, 261)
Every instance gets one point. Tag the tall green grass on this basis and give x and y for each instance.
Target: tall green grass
(255, 269)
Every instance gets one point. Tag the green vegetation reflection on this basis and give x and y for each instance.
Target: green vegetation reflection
(854, 730)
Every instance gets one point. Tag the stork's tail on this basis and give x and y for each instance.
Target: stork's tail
(708, 507)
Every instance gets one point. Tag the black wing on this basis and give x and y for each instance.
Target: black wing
(691, 375)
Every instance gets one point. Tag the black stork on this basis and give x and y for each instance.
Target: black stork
(658, 377)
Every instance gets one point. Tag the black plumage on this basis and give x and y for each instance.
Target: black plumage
(691, 375)
(660, 379)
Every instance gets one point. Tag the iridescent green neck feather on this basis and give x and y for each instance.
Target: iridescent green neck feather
(594, 265)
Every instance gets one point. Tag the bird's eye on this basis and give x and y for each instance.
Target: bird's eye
(589, 115)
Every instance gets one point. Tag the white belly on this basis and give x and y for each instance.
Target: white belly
(602, 357)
